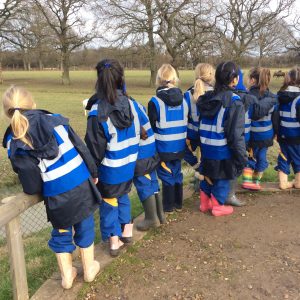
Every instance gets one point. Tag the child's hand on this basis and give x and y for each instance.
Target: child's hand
(95, 180)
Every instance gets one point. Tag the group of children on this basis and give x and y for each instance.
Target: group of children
(230, 126)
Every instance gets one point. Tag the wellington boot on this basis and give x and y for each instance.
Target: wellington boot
(127, 233)
(205, 203)
(297, 181)
(168, 192)
(248, 179)
(219, 210)
(257, 180)
(115, 245)
(232, 198)
(159, 208)
(91, 267)
(178, 196)
(283, 181)
(67, 271)
(151, 219)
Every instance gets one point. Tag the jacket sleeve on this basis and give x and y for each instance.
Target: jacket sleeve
(261, 108)
(28, 172)
(84, 152)
(275, 119)
(152, 114)
(298, 113)
(95, 140)
(235, 131)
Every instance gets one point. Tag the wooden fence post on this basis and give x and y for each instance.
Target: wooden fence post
(17, 259)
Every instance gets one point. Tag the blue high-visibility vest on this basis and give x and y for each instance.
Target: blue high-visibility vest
(171, 126)
(147, 148)
(64, 172)
(122, 148)
(263, 129)
(212, 135)
(289, 125)
(193, 117)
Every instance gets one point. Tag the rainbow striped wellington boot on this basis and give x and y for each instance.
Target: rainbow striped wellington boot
(248, 179)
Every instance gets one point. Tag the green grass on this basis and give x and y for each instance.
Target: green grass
(51, 95)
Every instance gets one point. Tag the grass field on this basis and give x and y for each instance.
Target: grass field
(51, 95)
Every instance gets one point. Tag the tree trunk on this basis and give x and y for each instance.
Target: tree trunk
(1, 74)
(65, 67)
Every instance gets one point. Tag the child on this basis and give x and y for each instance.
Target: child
(204, 81)
(289, 129)
(113, 135)
(262, 130)
(51, 159)
(145, 179)
(254, 110)
(223, 150)
(168, 117)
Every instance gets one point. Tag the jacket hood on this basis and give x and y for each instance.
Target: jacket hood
(119, 113)
(210, 103)
(170, 96)
(41, 126)
(254, 90)
(289, 95)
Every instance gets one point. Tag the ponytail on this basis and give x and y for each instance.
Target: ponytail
(291, 78)
(20, 126)
(264, 80)
(204, 74)
(15, 100)
(110, 78)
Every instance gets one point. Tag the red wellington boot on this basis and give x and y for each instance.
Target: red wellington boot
(220, 210)
(205, 203)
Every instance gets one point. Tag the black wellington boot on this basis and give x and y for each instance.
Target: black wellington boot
(178, 196)
(159, 209)
(151, 219)
(168, 192)
(232, 198)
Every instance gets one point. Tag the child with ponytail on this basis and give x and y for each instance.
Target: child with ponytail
(113, 137)
(168, 113)
(204, 81)
(262, 130)
(222, 142)
(50, 158)
(289, 129)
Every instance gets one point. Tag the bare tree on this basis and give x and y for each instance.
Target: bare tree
(65, 19)
(130, 22)
(294, 36)
(240, 20)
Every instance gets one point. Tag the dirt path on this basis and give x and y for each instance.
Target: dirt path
(253, 254)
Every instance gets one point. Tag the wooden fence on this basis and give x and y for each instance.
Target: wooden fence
(10, 210)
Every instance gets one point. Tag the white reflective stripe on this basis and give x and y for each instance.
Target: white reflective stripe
(215, 128)
(94, 107)
(147, 126)
(247, 129)
(294, 89)
(293, 108)
(148, 141)
(290, 124)
(285, 114)
(63, 170)
(266, 118)
(212, 142)
(62, 148)
(8, 144)
(261, 129)
(163, 123)
(115, 163)
(170, 137)
(194, 115)
(114, 145)
(192, 127)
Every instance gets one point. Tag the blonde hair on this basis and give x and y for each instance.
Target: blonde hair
(166, 76)
(262, 76)
(204, 74)
(15, 99)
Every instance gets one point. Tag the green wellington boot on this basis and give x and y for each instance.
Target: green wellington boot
(159, 209)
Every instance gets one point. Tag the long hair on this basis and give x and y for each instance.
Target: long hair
(291, 78)
(110, 78)
(262, 76)
(225, 74)
(15, 100)
(166, 76)
(204, 74)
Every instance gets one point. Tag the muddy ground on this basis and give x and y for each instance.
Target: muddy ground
(253, 254)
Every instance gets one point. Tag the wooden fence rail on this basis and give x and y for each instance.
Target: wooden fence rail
(10, 210)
